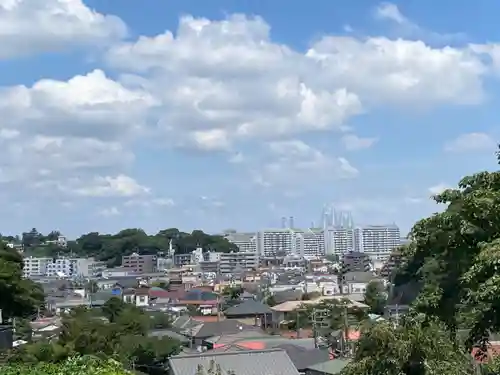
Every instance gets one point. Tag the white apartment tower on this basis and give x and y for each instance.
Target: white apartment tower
(273, 242)
(246, 242)
(311, 243)
(378, 241)
(342, 240)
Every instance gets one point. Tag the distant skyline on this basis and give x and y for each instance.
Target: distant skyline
(231, 114)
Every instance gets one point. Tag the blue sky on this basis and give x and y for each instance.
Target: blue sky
(230, 114)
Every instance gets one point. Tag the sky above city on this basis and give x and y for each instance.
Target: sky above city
(231, 114)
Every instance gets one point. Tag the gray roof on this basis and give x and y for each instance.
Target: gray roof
(250, 307)
(253, 362)
(247, 295)
(209, 329)
(167, 333)
(302, 357)
(287, 295)
(332, 367)
(359, 277)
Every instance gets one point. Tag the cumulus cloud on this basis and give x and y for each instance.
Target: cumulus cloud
(90, 105)
(111, 186)
(386, 11)
(227, 81)
(471, 142)
(210, 85)
(31, 26)
(294, 162)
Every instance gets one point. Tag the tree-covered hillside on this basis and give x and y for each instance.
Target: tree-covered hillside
(111, 247)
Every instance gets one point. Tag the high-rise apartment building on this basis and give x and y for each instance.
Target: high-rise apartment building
(311, 243)
(342, 240)
(244, 241)
(272, 242)
(378, 241)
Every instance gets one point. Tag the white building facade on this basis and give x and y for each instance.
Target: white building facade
(68, 267)
(378, 241)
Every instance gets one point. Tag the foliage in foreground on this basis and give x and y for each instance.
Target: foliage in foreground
(19, 297)
(454, 256)
(123, 338)
(72, 366)
(411, 348)
(453, 263)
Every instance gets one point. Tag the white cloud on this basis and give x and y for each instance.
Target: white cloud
(390, 12)
(119, 186)
(352, 142)
(439, 188)
(212, 85)
(471, 142)
(85, 106)
(295, 162)
(222, 82)
(226, 81)
(57, 131)
(31, 26)
(383, 71)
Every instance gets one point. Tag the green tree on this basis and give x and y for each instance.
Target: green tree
(22, 329)
(408, 349)
(126, 339)
(160, 320)
(112, 308)
(333, 315)
(270, 301)
(232, 292)
(453, 258)
(79, 365)
(376, 297)
(20, 297)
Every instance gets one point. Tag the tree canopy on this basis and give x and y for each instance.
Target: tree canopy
(111, 247)
(376, 296)
(79, 365)
(454, 257)
(124, 338)
(19, 297)
(452, 262)
(407, 349)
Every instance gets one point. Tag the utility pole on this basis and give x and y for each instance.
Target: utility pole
(397, 315)
(320, 318)
(346, 327)
(297, 323)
